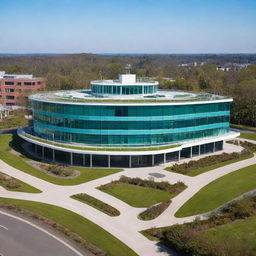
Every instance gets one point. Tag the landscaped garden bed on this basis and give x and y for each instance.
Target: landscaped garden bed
(154, 211)
(94, 202)
(13, 184)
(195, 167)
(142, 193)
(228, 232)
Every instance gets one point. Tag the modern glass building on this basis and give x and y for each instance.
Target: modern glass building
(126, 123)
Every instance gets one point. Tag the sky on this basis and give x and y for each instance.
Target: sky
(128, 26)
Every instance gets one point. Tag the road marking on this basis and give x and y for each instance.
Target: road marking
(1, 226)
(41, 229)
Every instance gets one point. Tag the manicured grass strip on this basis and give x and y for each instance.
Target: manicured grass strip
(239, 232)
(237, 229)
(248, 135)
(220, 191)
(154, 211)
(100, 148)
(239, 126)
(77, 224)
(94, 202)
(86, 174)
(208, 163)
(137, 196)
(12, 184)
(214, 166)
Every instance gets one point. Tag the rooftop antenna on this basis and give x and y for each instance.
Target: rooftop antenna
(128, 68)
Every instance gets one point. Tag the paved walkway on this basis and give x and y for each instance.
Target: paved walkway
(126, 226)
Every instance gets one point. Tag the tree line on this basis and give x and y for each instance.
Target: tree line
(75, 71)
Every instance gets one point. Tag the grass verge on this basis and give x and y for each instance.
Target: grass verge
(99, 205)
(208, 163)
(18, 162)
(100, 148)
(220, 191)
(12, 184)
(248, 135)
(75, 223)
(240, 126)
(215, 166)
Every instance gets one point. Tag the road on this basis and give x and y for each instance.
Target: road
(19, 238)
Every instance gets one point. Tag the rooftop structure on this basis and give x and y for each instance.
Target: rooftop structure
(126, 123)
(14, 89)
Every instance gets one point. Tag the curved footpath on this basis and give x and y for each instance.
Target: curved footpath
(126, 226)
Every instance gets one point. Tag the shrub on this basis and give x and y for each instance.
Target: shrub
(207, 161)
(106, 208)
(59, 170)
(190, 239)
(8, 181)
(154, 211)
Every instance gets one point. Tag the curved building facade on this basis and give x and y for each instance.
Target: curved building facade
(129, 120)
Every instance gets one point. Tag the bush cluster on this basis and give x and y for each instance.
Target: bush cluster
(150, 183)
(154, 211)
(106, 208)
(59, 170)
(248, 145)
(207, 161)
(9, 182)
(191, 239)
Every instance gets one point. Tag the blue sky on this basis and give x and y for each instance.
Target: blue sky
(127, 26)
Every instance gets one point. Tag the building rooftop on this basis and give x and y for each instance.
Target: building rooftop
(3, 75)
(126, 90)
(162, 96)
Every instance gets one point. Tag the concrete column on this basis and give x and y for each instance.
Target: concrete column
(108, 161)
(199, 151)
(153, 160)
(71, 158)
(91, 160)
(130, 161)
(179, 157)
(83, 159)
(214, 147)
(53, 155)
(164, 158)
(191, 153)
(42, 152)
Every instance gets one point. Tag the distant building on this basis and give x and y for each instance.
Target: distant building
(225, 69)
(14, 89)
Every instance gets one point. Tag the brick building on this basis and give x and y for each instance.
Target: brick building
(14, 89)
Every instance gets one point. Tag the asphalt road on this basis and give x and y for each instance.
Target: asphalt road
(18, 238)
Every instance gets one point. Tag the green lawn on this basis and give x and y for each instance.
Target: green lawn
(86, 174)
(239, 231)
(248, 135)
(239, 126)
(137, 196)
(23, 187)
(220, 191)
(13, 121)
(215, 166)
(96, 203)
(77, 224)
